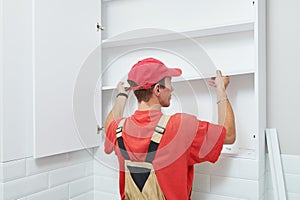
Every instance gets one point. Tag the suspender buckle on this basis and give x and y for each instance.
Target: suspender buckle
(159, 129)
(119, 130)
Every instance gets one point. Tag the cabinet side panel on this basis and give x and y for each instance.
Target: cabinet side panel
(17, 87)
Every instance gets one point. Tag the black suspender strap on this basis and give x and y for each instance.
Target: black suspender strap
(120, 139)
(159, 130)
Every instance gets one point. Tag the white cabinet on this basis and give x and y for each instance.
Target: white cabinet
(199, 37)
(62, 67)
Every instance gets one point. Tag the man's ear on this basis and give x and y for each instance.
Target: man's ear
(156, 90)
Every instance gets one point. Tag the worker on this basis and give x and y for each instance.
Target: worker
(179, 141)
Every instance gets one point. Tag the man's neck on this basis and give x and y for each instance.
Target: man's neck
(149, 106)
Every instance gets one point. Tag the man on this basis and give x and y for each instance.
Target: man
(186, 140)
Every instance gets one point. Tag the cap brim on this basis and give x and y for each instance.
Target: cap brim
(174, 72)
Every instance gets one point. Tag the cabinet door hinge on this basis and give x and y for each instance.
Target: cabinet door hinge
(99, 129)
(99, 27)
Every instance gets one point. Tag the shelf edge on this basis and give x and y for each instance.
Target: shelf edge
(109, 87)
(184, 34)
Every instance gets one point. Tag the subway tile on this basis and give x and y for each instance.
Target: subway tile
(81, 186)
(106, 184)
(67, 174)
(1, 191)
(13, 170)
(292, 183)
(207, 196)
(98, 150)
(25, 186)
(57, 193)
(80, 156)
(106, 196)
(235, 187)
(290, 164)
(269, 195)
(35, 166)
(204, 168)
(89, 168)
(103, 170)
(110, 160)
(293, 196)
(231, 167)
(95, 149)
(86, 196)
(201, 183)
(249, 169)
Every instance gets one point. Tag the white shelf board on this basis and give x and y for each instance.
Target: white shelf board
(181, 79)
(145, 36)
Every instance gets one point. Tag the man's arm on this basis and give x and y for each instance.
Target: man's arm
(225, 112)
(119, 106)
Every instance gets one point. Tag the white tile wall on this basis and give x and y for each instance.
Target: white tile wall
(230, 178)
(64, 176)
(25, 186)
(206, 196)
(294, 196)
(106, 176)
(234, 187)
(201, 183)
(13, 170)
(291, 164)
(81, 186)
(292, 183)
(103, 170)
(106, 184)
(106, 196)
(291, 171)
(77, 176)
(86, 196)
(60, 193)
(35, 166)
(231, 167)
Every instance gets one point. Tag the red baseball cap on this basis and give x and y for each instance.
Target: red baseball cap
(149, 71)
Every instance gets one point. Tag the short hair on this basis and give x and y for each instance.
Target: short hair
(145, 94)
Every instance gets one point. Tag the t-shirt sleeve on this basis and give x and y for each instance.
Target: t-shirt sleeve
(110, 139)
(208, 143)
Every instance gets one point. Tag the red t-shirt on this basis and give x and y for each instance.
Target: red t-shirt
(186, 141)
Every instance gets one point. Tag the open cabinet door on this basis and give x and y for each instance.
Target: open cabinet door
(67, 66)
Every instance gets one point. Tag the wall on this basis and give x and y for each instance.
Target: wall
(290, 164)
(228, 179)
(283, 47)
(59, 177)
